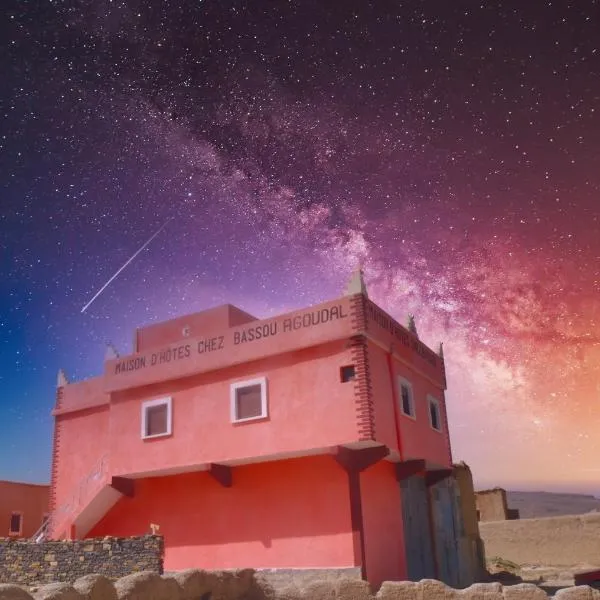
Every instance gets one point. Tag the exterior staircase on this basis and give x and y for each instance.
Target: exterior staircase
(91, 499)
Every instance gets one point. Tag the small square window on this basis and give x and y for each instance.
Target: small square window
(156, 418)
(249, 400)
(16, 524)
(407, 402)
(435, 418)
(347, 373)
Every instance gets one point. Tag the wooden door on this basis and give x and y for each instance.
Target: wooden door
(417, 532)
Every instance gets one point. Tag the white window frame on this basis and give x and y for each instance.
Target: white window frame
(403, 381)
(10, 531)
(168, 402)
(435, 402)
(264, 413)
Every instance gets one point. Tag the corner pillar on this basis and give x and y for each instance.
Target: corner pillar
(353, 461)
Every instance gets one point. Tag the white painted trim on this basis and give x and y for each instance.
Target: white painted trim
(168, 401)
(403, 381)
(262, 381)
(10, 531)
(435, 402)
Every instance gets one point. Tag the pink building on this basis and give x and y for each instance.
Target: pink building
(315, 439)
(23, 508)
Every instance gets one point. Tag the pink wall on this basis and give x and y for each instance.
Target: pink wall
(218, 349)
(382, 515)
(292, 513)
(308, 408)
(82, 442)
(418, 439)
(199, 325)
(80, 395)
(30, 500)
(389, 333)
(383, 403)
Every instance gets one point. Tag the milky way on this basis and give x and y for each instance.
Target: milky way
(451, 148)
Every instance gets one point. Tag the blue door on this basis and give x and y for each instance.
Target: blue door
(417, 531)
(446, 549)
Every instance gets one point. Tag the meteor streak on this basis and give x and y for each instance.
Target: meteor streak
(126, 263)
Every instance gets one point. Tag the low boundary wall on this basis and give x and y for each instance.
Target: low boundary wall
(25, 562)
(242, 585)
(551, 541)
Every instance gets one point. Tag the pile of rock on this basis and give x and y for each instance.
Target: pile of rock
(244, 585)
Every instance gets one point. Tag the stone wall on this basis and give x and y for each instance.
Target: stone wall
(25, 562)
(552, 541)
(281, 579)
(242, 585)
(491, 505)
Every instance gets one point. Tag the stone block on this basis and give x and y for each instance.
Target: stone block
(431, 589)
(352, 589)
(57, 591)
(523, 591)
(399, 590)
(482, 591)
(579, 592)
(234, 584)
(9, 591)
(288, 592)
(95, 587)
(141, 586)
(171, 589)
(319, 590)
(193, 583)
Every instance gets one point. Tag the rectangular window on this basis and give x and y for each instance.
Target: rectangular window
(347, 373)
(16, 524)
(249, 400)
(157, 418)
(407, 401)
(435, 418)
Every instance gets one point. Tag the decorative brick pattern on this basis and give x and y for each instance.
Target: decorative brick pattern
(55, 453)
(360, 357)
(363, 390)
(358, 313)
(444, 411)
(28, 563)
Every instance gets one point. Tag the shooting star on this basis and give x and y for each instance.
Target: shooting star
(126, 263)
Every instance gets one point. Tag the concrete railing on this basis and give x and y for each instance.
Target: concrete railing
(248, 585)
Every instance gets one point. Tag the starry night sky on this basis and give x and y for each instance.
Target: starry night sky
(452, 147)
